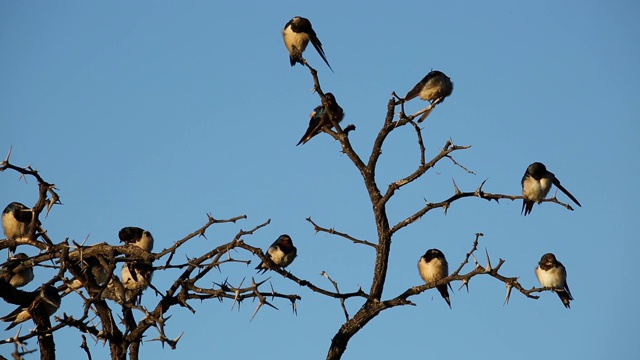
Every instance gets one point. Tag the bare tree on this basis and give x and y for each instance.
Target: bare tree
(102, 290)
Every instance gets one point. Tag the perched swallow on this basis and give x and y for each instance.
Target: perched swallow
(296, 34)
(536, 184)
(434, 87)
(552, 275)
(48, 297)
(136, 236)
(136, 277)
(18, 279)
(114, 290)
(433, 267)
(15, 222)
(90, 265)
(320, 118)
(281, 252)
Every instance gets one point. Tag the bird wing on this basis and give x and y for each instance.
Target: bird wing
(315, 125)
(556, 182)
(318, 45)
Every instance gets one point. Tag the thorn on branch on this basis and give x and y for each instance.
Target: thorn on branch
(479, 193)
(488, 268)
(465, 283)
(506, 298)
(455, 186)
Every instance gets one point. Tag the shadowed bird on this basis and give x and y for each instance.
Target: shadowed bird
(21, 278)
(136, 236)
(281, 252)
(91, 267)
(552, 275)
(434, 87)
(296, 34)
(433, 267)
(47, 298)
(536, 184)
(320, 118)
(136, 275)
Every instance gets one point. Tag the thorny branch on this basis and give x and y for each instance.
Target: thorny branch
(374, 303)
(446, 204)
(335, 285)
(332, 231)
(96, 317)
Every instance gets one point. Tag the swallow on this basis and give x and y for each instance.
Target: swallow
(48, 297)
(113, 291)
(433, 266)
(536, 184)
(136, 236)
(15, 222)
(296, 34)
(136, 275)
(20, 278)
(434, 87)
(320, 118)
(281, 252)
(90, 265)
(552, 275)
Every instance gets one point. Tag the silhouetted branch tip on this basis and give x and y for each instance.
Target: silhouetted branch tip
(349, 128)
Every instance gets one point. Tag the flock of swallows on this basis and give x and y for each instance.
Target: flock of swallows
(432, 266)
(434, 87)
(297, 34)
(136, 275)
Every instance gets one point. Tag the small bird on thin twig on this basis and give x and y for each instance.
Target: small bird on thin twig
(536, 183)
(296, 34)
(281, 253)
(434, 87)
(320, 118)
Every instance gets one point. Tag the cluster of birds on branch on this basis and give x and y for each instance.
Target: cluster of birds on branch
(136, 275)
(434, 87)
(297, 34)
(17, 272)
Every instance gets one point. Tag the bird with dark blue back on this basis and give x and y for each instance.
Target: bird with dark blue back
(16, 218)
(296, 34)
(536, 183)
(319, 118)
(47, 299)
(136, 236)
(281, 253)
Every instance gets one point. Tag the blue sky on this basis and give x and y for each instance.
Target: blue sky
(153, 114)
